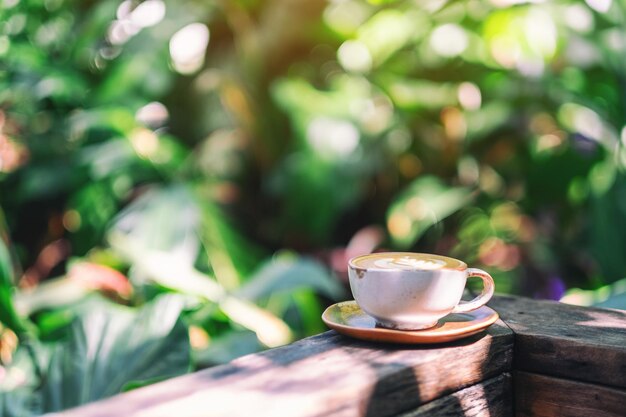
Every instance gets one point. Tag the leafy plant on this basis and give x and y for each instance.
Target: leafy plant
(181, 171)
(107, 349)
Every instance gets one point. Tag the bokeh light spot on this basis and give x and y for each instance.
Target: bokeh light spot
(72, 220)
(188, 46)
(121, 31)
(148, 13)
(601, 6)
(540, 32)
(548, 142)
(354, 56)
(582, 120)
(399, 225)
(449, 40)
(469, 96)
(399, 140)
(332, 138)
(496, 253)
(153, 114)
(7, 4)
(345, 17)
(410, 166)
(454, 123)
(145, 142)
(417, 208)
(509, 3)
(124, 9)
(5, 44)
(468, 171)
(579, 18)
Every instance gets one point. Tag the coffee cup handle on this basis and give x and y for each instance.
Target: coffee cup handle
(485, 295)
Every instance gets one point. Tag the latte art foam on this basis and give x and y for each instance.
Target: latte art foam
(406, 261)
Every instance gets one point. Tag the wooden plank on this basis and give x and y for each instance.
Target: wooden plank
(580, 343)
(327, 374)
(544, 396)
(491, 398)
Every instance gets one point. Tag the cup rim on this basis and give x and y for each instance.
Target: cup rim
(461, 266)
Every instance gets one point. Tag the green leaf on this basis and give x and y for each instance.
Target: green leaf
(95, 204)
(383, 42)
(299, 99)
(230, 255)
(20, 379)
(139, 384)
(18, 403)
(110, 347)
(411, 94)
(8, 315)
(228, 347)
(46, 179)
(289, 275)
(309, 312)
(424, 203)
(172, 271)
(316, 194)
(164, 219)
(608, 296)
(614, 301)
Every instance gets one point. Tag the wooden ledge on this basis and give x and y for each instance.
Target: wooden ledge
(540, 395)
(327, 374)
(490, 398)
(579, 343)
(330, 374)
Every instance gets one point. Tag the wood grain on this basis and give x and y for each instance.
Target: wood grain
(333, 375)
(327, 374)
(545, 396)
(491, 398)
(579, 343)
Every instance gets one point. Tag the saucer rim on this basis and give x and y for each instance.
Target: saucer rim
(423, 336)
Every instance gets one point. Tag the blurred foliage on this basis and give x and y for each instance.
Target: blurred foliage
(175, 175)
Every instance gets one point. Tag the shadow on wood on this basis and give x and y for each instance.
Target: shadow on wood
(491, 398)
(580, 351)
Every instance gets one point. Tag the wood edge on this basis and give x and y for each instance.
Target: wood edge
(574, 352)
(534, 394)
(504, 381)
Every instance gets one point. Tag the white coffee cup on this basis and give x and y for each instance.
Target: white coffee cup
(411, 291)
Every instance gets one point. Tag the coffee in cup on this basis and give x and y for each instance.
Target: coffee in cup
(412, 291)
